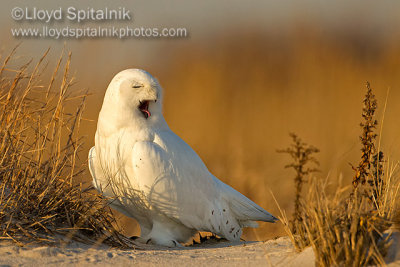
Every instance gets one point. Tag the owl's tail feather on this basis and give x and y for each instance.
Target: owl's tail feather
(245, 210)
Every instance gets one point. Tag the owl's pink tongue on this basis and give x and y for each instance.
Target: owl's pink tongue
(144, 108)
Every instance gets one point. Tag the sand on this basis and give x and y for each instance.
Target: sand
(277, 252)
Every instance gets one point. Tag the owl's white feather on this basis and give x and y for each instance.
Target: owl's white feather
(148, 173)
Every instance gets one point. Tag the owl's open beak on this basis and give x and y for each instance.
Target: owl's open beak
(144, 108)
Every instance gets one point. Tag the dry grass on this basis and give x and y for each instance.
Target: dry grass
(349, 227)
(42, 197)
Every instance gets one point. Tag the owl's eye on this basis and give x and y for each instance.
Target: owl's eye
(137, 85)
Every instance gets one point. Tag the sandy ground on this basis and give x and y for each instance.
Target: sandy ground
(277, 252)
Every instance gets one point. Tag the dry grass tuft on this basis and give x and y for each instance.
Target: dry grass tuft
(349, 227)
(42, 198)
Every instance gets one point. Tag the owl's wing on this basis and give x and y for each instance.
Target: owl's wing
(174, 179)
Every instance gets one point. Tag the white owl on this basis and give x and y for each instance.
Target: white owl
(150, 174)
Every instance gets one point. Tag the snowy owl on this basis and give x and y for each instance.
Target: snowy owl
(150, 174)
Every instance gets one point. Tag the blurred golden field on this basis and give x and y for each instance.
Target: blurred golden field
(235, 97)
